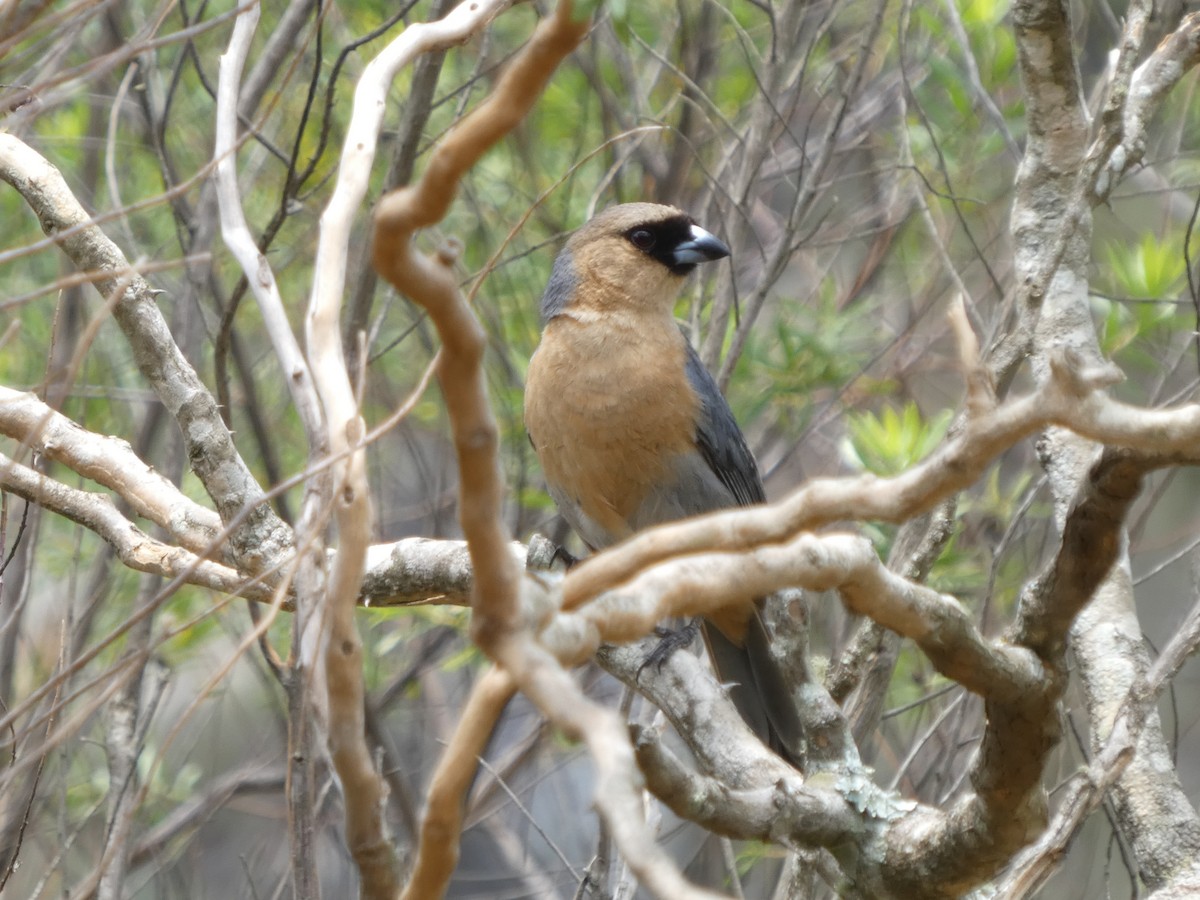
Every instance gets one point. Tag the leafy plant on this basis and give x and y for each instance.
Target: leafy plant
(892, 441)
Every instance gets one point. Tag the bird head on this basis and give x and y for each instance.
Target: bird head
(635, 255)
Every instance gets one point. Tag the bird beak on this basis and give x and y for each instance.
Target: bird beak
(702, 247)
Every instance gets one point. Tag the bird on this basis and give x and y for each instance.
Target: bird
(632, 431)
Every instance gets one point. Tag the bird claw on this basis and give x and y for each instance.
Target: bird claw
(567, 559)
(670, 641)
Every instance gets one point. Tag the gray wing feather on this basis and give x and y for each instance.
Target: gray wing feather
(757, 684)
(719, 439)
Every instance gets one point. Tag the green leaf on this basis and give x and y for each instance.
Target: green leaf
(892, 442)
(1150, 269)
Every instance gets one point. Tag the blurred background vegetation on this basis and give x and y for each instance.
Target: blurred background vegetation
(859, 158)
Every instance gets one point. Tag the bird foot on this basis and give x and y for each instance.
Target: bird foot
(543, 555)
(567, 559)
(670, 640)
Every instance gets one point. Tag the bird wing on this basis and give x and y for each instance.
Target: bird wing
(737, 638)
(719, 439)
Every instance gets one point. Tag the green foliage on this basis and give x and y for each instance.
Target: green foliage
(535, 498)
(468, 655)
(808, 345)
(1152, 268)
(192, 621)
(949, 103)
(892, 442)
(992, 44)
(1145, 278)
(387, 636)
(913, 680)
(1118, 325)
(984, 513)
(958, 570)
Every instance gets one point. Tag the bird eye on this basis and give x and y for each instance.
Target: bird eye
(642, 239)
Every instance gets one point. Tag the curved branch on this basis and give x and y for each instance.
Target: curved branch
(111, 462)
(1174, 57)
(134, 547)
(262, 538)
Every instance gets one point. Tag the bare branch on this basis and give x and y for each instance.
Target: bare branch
(419, 570)
(111, 462)
(134, 547)
(241, 243)
(362, 786)
(1178, 54)
(210, 448)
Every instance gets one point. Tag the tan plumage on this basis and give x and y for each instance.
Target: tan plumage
(630, 429)
(606, 406)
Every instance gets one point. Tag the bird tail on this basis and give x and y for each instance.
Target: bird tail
(758, 686)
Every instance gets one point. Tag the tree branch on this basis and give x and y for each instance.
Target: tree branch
(134, 547)
(111, 462)
(262, 538)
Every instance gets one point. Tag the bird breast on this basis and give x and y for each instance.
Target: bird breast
(618, 416)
